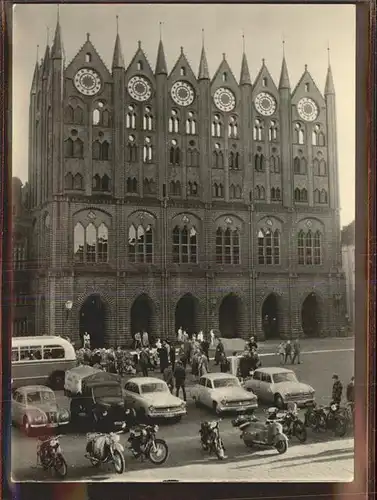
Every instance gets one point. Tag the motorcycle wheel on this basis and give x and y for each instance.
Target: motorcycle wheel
(281, 446)
(119, 462)
(219, 450)
(60, 466)
(340, 427)
(300, 432)
(160, 454)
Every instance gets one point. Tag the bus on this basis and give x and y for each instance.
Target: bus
(41, 360)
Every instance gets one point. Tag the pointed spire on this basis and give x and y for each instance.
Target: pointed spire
(203, 73)
(284, 82)
(329, 87)
(57, 47)
(46, 61)
(245, 73)
(161, 68)
(118, 60)
(36, 73)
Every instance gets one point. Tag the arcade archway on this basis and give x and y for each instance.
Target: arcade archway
(187, 313)
(311, 316)
(230, 316)
(142, 315)
(93, 320)
(270, 317)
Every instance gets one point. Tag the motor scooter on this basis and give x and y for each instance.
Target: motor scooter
(267, 434)
(289, 419)
(104, 448)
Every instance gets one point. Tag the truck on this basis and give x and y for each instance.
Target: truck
(97, 397)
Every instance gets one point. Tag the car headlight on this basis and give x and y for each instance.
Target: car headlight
(104, 413)
(223, 401)
(64, 414)
(183, 406)
(151, 408)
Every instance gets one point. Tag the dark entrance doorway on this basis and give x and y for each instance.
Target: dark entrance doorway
(187, 314)
(142, 315)
(230, 316)
(270, 317)
(92, 321)
(310, 316)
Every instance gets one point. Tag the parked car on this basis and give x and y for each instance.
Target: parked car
(35, 407)
(150, 397)
(279, 386)
(223, 392)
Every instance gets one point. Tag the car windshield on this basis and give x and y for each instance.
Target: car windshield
(225, 382)
(34, 397)
(284, 377)
(103, 391)
(154, 387)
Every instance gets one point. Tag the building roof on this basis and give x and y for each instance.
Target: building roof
(348, 234)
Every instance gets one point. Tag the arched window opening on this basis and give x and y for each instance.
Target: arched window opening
(296, 165)
(307, 87)
(322, 168)
(218, 190)
(299, 133)
(191, 124)
(102, 244)
(68, 148)
(216, 126)
(264, 82)
(185, 245)
(323, 196)
(275, 194)
(106, 118)
(233, 127)
(96, 186)
(174, 122)
(175, 155)
(90, 243)
(105, 151)
(68, 181)
(268, 247)
(227, 246)
(139, 66)
(259, 162)
(316, 196)
(147, 151)
(303, 166)
(192, 158)
(316, 167)
(315, 137)
(78, 182)
(225, 76)
(131, 185)
(275, 164)
(78, 115)
(175, 188)
(272, 131)
(88, 58)
(131, 117)
(309, 248)
(321, 139)
(140, 244)
(96, 150)
(79, 242)
(68, 114)
(105, 183)
(131, 150)
(96, 117)
(147, 121)
(78, 148)
(260, 193)
(258, 130)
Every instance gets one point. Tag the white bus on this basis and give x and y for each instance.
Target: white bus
(41, 360)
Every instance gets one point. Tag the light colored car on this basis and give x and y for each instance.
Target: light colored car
(279, 386)
(223, 392)
(151, 397)
(34, 406)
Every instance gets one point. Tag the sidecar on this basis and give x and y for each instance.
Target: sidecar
(263, 434)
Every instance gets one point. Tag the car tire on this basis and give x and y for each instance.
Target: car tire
(26, 426)
(279, 401)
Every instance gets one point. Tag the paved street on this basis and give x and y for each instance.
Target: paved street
(321, 458)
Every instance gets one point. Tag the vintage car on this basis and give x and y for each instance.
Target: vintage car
(279, 386)
(150, 397)
(34, 406)
(223, 392)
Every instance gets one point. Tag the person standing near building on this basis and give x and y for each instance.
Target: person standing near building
(144, 362)
(203, 365)
(180, 379)
(296, 352)
(200, 336)
(172, 355)
(137, 340)
(288, 352)
(212, 338)
(86, 340)
(350, 391)
(145, 339)
(169, 377)
(281, 352)
(337, 390)
(164, 358)
(180, 335)
(219, 351)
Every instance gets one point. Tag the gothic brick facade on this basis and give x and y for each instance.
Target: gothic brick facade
(168, 185)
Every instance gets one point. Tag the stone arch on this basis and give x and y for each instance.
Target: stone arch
(312, 313)
(271, 317)
(93, 314)
(231, 315)
(187, 313)
(143, 314)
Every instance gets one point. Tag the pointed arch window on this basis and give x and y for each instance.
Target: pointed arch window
(316, 196)
(301, 195)
(140, 244)
(79, 242)
(68, 148)
(105, 183)
(323, 196)
(275, 194)
(78, 148)
(102, 243)
(217, 130)
(106, 118)
(78, 182)
(322, 168)
(96, 116)
(68, 181)
(96, 150)
(192, 157)
(316, 167)
(234, 160)
(296, 165)
(78, 115)
(235, 192)
(273, 131)
(315, 134)
(185, 245)
(174, 122)
(268, 247)
(275, 164)
(68, 114)
(260, 193)
(191, 126)
(131, 150)
(303, 166)
(192, 188)
(131, 117)
(148, 119)
(321, 139)
(131, 185)
(149, 186)
(218, 190)
(309, 248)
(259, 162)
(299, 134)
(218, 157)
(90, 243)
(227, 246)
(96, 186)
(175, 188)
(233, 127)
(174, 153)
(258, 130)
(147, 150)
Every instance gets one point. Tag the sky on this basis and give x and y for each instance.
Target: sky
(308, 30)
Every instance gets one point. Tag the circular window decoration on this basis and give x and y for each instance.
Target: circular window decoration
(307, 109)
(224, 99)
(87, 82)
(139, 88)
(182, 93)
(265, 104)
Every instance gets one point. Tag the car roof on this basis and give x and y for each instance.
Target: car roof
(212, 376)
(144, 380)
(29, 388)
(273, 369)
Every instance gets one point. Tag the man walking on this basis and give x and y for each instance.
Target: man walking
(296, 352)
(350, 392)
(144, 362)
(337, 390)
(180, 379)
(172, 355)
(288, 352)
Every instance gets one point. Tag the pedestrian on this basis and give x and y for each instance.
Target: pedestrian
(203, 365)
(350, 391)
(158, 344)
(288, 352)
(169, 377)
(244, 365)
(219, 351)
(137, 339)
(296, 352)
(205, 347)
(224, 364)
(144, 362)
(185, 336)
(200, 336)
(337, 390)
(86, 340)
(145, 339)
(281, 352)
(188, 349)
(172, 356)
(180, 335)
(252, 344)
(182, 355)
(212, 338)
(180, 379)
(164, 358)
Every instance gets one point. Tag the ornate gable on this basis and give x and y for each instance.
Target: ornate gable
(88, 57)
(182, 71)
(307, 100)
(265, 83)
(140, 65)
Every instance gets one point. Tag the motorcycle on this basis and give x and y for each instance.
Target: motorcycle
(50, 455)
(266, 435)
(144, 444)
(210, 438)
(323, 418)
(104, 448)
(292, 425)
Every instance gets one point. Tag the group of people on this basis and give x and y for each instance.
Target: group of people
(289, 351)
(337, 391)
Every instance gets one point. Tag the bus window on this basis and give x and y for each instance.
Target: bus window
(31, 353)
(53, 352)
(15, 354)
